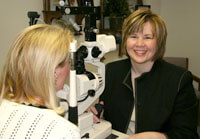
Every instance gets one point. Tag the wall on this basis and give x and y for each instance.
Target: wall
(182, 18)
(155, 5)
(13, 18)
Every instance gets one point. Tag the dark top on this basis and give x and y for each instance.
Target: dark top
(165, 100)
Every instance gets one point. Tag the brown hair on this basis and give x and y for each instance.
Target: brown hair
(135, 22)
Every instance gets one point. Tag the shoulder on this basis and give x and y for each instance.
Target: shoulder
(169, 68)
(57, 125)
(172, 72)
(41, 122)
(125, 63)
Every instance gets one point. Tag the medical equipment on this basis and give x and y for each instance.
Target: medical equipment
(86, 86)
(33, 16)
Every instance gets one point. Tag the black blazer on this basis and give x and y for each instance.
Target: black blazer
(164, 98)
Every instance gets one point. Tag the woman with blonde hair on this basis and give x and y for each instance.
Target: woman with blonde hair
(36, 68)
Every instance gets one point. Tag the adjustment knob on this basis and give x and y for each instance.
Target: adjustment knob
(96, 52)
(61, 3)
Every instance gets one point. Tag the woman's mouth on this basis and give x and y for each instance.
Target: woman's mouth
(140, 52)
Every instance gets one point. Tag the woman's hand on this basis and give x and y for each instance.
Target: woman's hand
(95, 113)
(148, 135)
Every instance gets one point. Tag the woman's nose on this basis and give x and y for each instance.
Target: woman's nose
(140, 42)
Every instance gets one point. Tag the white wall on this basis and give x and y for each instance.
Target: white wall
(155, 5)
(181, 16)
(13, 18)
(183, 22)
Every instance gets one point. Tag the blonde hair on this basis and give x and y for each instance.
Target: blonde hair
(135, 22)
(28, 74)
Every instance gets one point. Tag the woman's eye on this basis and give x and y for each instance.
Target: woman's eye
(148, 37)
(133, 36)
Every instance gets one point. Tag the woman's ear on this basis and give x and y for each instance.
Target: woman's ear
(55, 75)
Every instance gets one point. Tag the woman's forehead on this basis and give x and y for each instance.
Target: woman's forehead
(147, 27)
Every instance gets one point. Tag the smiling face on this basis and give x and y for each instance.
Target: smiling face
(141, 46)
